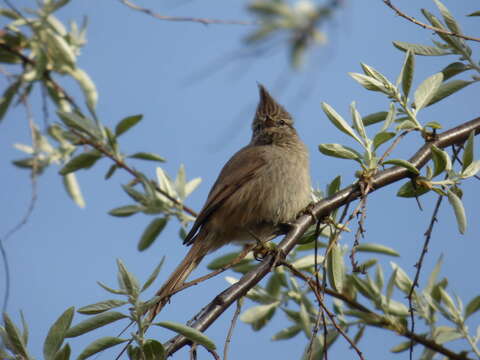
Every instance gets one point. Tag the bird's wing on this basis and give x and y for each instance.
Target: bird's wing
(238, 171)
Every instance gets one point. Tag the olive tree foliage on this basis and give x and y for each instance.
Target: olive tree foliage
(343, 299)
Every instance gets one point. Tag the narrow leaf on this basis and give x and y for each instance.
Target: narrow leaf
(440, 160)
(459, 211)
(190, 333)
(151, 232)
(403, 163)
(336, 268)
(448, 88)
(73, 189)
(63, 353)
(127, 123)
(417, 49)
(407, 72)
(468, 151)
(153, 350)
(453, 69)
(475, 13)
(7, 98)
(147, 156)
(471, 170)
(473, 306)
(94, 322)
(127, 279)
(368, 82)
(448, 17)
(408, 190)
(426, 90)
(14, 337)
(101, 306)
(374, 118)
(334, 186)
(100, 345)
(339, 151)
(82, 161)
(357, 121)
(376, 248)
(124, 211)
(381, 138)
(287, 333)
(57, 334)
(339, 122)
(153, 275)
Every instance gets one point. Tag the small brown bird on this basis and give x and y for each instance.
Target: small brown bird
(264, 185)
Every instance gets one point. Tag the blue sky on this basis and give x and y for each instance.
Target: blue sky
(142, 65)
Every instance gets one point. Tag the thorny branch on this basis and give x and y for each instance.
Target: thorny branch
(320, 210)
(426, 26)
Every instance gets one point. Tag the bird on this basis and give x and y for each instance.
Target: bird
(263, 186)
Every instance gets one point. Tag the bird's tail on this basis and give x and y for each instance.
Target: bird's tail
(177, 278)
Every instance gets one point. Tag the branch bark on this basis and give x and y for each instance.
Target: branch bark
(221, 302)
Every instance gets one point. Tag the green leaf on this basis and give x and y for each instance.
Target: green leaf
(434, 125)
(381, 138)
(127, 280)
(57, 334)
(475, 13)
(467, 158)
(190, 333)
(376, 248)
(83, 161)
(339, 151)
(7, 98)
(336, 268)
(374, 118)
(100, 345)
(426, 90)
(403, 163)
(151, 232)
(443, 334)
(448, 17)
(110, 290)
(82, 123)
(403, 346)
(357, 121)
(153, 275)
(334, 186)
(471, 170)
(459, 210)
(453, 69)
(440, 160)
(448, 88)
(153, 350)
(417, 49)
(407, 190)
(63, 353)
(73, 189)
(339, 122)
(14, 337)
(368, 82)
(111, 171)
(147, 156)
(88, 87)
(473, 306)
(379, 277)
(390, 118)
(287, 333)
(406, 74)
(124, 211)
(307, 261)
(101, 306)
(25, 329)
(94, 322)
(403, 282)
(127, 123)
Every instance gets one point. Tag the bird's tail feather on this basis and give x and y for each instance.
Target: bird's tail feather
(177, 278)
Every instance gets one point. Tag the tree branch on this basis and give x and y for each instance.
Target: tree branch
(426, 26)
(321, 209)
(203, 21)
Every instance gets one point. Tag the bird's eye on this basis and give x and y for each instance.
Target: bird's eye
(282, 123)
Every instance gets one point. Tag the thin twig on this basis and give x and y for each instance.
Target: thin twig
(121, 164)
(318, 294)
(238, 309)
(426, 26)
(214, 354)
(203, 21)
